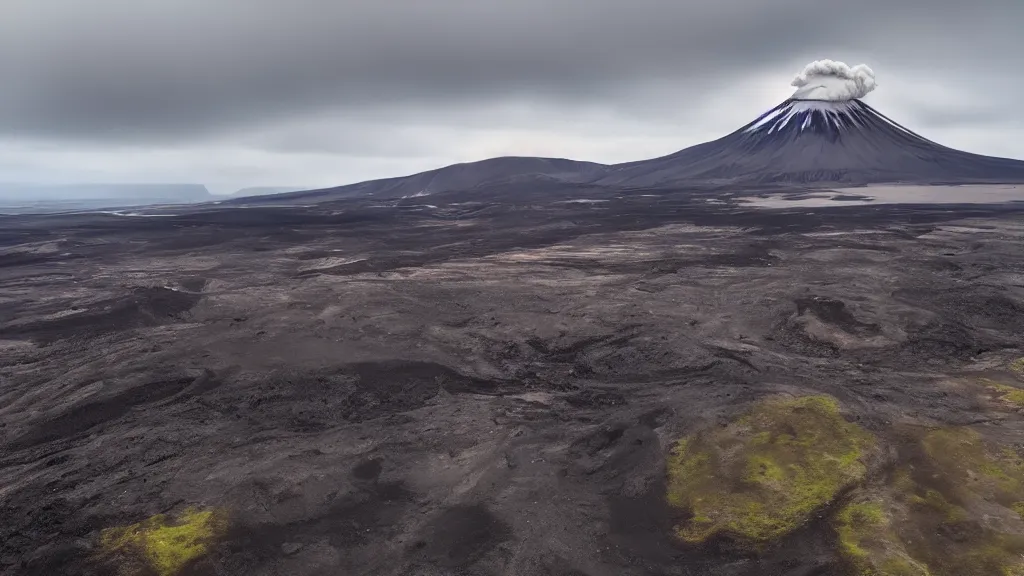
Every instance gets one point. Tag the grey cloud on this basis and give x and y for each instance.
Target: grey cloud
(968, 115)
(354, 137)
(249, 92)
(172, 71)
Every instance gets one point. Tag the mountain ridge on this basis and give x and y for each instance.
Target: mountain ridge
(798, 141)
(461, 176)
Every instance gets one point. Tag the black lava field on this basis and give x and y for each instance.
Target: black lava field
(559, 378)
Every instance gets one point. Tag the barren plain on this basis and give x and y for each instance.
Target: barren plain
(460, 384)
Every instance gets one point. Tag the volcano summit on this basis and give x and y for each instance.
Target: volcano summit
(819, 141)
(823, 133)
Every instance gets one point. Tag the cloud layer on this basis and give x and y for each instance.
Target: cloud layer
(335, 92)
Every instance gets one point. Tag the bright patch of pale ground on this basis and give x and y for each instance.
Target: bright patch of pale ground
(330, 262)
(899, 194)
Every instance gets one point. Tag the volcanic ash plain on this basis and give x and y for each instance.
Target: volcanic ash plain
(652, 384)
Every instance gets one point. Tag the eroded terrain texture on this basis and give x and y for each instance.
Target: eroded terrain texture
(536, 388)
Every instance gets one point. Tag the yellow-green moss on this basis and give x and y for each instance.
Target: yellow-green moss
(858, 523)
(919, 523)
(868, 544)
(994, 557)
(934, 501)
(1018, 507)
(1008, 394)
(164, 545)
(944, 506)
(762, 476)
(1014, 571)
(961, 455)
(900, 567)
(1018, 366)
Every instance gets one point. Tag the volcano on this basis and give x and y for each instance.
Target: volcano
(818, 141)
(809, 140)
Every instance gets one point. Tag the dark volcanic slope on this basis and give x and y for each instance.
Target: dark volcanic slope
(456, 177)
(802, 141)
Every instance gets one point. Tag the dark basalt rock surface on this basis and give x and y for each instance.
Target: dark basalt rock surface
(497, 388)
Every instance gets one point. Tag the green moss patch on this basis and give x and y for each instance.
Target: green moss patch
(954, 509)
(1018, 366)
(1018, 507)
(762, 476)
(161, 545)
(1007, 394)
(973, 467)
(869, 544)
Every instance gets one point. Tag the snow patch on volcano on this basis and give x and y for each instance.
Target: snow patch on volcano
(803, 115)
(833, 81)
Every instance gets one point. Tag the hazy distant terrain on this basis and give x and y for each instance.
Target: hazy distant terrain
(49, 197)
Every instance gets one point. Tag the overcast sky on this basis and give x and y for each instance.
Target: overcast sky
(234, 93)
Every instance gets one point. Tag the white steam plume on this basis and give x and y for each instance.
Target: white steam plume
(835, 81)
